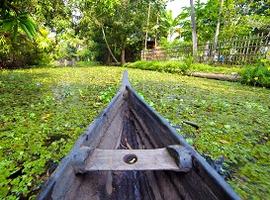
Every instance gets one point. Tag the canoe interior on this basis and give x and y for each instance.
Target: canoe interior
(129, 123)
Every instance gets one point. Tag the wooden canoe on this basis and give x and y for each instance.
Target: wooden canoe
(131, 152)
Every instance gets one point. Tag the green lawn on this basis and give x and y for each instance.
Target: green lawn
(44, 110)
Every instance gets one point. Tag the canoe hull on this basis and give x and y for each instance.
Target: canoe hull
(128, 122)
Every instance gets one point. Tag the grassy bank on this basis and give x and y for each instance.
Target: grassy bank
(44, 110)
(184, 67)
(255, 75)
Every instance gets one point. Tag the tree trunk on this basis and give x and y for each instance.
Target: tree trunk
(108, 47)
(194, 33)
(147, 24)
(109, 58)
(222, 77)
(156, 32)
(123, 56)
(217, 28)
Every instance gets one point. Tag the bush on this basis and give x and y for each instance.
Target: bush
(257, 76)
(186, 66)
(163, 66)
(25, 53)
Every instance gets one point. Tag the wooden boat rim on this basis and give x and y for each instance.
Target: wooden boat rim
(199, 163)
(209, 170)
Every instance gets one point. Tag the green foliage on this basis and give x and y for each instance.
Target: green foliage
(223, 69)
(165, 66)
(55, 105)
(206, 18)
(25, 52)
(233, 122)
(39, 126)
(119, 34)
(17, 31)
(22, 24)
(182, 67)
(258, 75)
(239, 18)
(164, 43)
(11, 23)
(87, 64)
(74, 27)
(69, 46)
(106, 96)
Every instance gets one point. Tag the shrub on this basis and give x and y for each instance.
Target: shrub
(257, 76)
(186, 66)
(162, 66)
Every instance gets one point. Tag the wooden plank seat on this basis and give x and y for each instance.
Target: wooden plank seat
(174, 158)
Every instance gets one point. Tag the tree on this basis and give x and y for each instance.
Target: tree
(79, 19)
(12, 19)
(147, 26)
(122, 37)
(96, 13)
(194, 33)
(218, 27)
(169, 24)
(14, 23)
(21, 24)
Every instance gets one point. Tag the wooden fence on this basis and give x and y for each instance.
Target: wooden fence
(241, 50)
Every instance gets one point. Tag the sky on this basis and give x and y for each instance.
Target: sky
(176, 6)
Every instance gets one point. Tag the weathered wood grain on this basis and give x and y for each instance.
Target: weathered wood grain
(136, 159)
